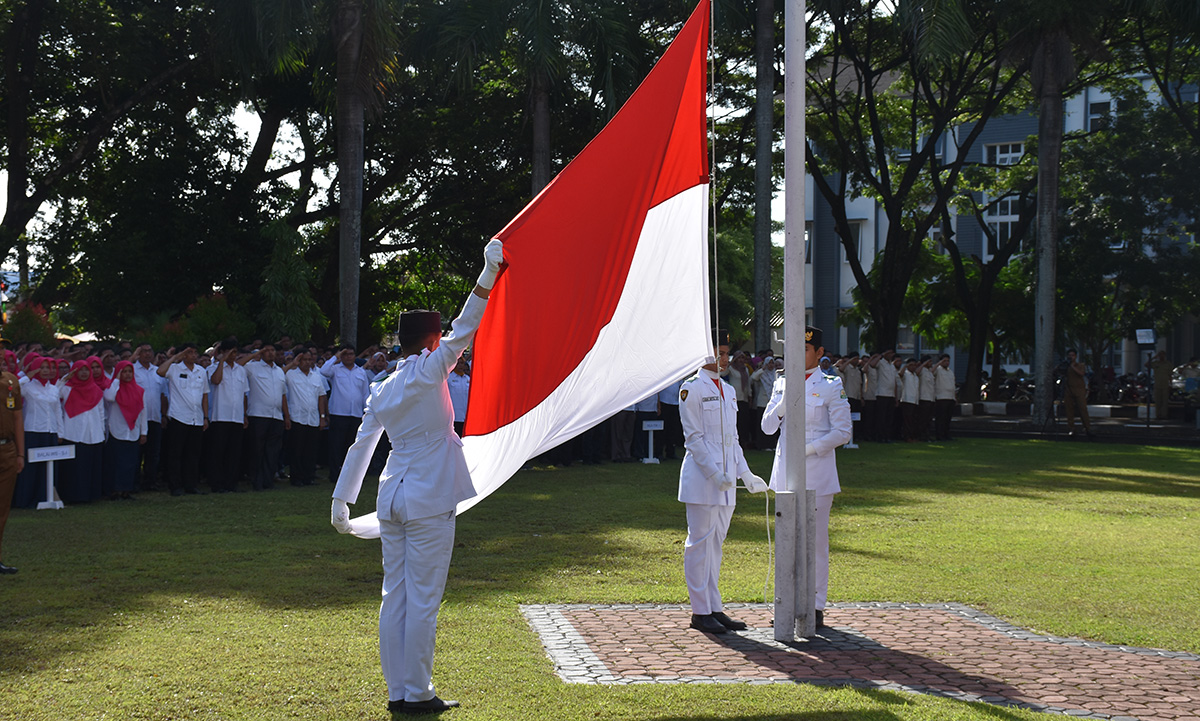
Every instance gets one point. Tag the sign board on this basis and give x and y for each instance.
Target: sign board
(1145, 336)
(652, 425)
(51, 453)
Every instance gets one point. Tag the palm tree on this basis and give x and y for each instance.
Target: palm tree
(288, 36)
(764, 109)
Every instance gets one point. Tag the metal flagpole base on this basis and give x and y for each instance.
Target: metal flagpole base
(795, 591)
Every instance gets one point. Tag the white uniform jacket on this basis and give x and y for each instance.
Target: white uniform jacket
(711, 439)
(827, 426)
(426, 469)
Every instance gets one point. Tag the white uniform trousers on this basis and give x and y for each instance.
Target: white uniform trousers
(416, 561)
(707, 528)
(821, 552)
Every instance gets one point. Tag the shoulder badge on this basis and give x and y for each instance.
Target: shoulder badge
(683, 394)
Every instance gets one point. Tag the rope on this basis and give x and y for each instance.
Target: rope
(712, 174)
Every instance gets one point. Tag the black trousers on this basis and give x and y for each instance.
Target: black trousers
(302, 451)
(150, 453)
(924, 419)
(342, 431)
(82, 478)
(672, 432)
(183, 455)
(266, 439)
(224, 455)
(868, 421)
(943, 410)
(885, 413)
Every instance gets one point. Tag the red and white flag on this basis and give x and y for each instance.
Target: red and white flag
(605, 297)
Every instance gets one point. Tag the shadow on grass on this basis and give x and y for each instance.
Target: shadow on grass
(586, 530)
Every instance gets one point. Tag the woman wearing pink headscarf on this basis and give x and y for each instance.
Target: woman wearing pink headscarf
(126, 431)
(42, 414)
(83, 425)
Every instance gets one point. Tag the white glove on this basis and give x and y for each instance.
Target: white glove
(724, 481)
(339, 516)
(809, 449)
(493, 256)
(754, 484)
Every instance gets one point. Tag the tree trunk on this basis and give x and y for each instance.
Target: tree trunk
(541, 131)
(764, 108)
(1056, 56)
(20, 63)
(349, 36)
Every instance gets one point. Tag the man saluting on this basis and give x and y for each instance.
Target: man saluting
(424, 479)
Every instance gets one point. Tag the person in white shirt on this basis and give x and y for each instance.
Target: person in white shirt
(910, 396)
(885, 394)
(126, 431)
(82, 424)
(227, 419)
(711, 467)
(459, 383)
(349, 386)
(763, 381)
(425, 477)
(145, 372)
(187, 418)
(267, 410)
(927, 393)
(42, 413)
(827, 426)
(308, 408)
(944, 386)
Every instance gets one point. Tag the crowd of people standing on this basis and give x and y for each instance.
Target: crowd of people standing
(189, 421)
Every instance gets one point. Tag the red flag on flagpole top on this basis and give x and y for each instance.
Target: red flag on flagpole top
(605, 296)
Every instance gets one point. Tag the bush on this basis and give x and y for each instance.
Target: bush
(29, 322)
(205, 322)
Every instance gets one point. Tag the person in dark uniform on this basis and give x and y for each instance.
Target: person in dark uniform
(12, 449)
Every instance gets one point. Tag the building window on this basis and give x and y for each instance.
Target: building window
(1005, 153)
(1099, 115)
(808, 233)
(1001, 217)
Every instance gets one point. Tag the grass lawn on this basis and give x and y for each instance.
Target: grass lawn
(250, 606)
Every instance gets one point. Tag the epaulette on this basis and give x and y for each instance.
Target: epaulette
(689, 379)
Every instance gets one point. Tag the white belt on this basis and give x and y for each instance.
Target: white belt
(416, 440)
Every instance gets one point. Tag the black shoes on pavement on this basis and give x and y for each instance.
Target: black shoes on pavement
(715, 623)
(729, 623)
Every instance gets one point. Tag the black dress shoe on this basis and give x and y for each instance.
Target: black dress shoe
(433, 705)
(707, 624)
(395, 706)
(729, 623)
(7, 569)
(820, 618)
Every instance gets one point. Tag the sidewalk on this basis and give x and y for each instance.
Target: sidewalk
(1107, 430)
(947, 650)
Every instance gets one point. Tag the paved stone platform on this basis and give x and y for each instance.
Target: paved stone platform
(945, 650)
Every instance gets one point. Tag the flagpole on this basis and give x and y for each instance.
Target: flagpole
(794, 593)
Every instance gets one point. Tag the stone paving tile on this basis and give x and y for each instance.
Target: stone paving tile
(945, 650)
